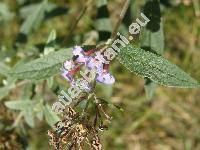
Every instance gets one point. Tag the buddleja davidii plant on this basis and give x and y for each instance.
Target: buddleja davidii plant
(137, 60)
(45, 68)
(144, 63)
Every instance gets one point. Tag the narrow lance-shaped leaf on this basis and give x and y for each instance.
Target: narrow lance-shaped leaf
(149, 87)
(155, 67)
(50, 116)
(29, 116)
(34, 19)
(27, 10)
(42, 68)
(49, 48)
(50, 44)
(19, 104)
(26, 106)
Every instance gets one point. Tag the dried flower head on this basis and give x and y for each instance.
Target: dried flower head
(76, 131)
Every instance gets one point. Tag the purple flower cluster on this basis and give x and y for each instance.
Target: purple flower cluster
(91, 62)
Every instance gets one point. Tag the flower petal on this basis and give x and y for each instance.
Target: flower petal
(77, 50)
(67, 76)
(68, 65)
(106, 78)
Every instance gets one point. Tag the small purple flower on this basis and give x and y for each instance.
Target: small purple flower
(68, 65)
(91, 62)
(82, 59)
(77, 50)
(67, 76)
(79, 53)
(105, 78)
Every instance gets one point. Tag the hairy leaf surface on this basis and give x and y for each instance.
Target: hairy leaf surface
(19, 105)
(155, 67)
(42, 68)
(154, 42)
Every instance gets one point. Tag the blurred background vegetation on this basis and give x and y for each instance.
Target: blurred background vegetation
(168, 120)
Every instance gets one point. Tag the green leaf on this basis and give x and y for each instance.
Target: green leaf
(103, 24)
(42, 68)
(26, 106)
(101, 3)
(50, 116)
(27, 10)
(19, 105)
(4, 69)
(52, 37)
(50, 82)
(39, 115)
(33, 21)
(5, 14)
(149, 88)
(153, 40)
(50, 44)
(27, 91)
(4, 91)
(155, 67)
(29, 117)
(21, 2)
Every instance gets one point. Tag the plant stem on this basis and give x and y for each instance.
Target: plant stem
(196, 7)
(103, 46)
(77, 21)
(122, 14)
